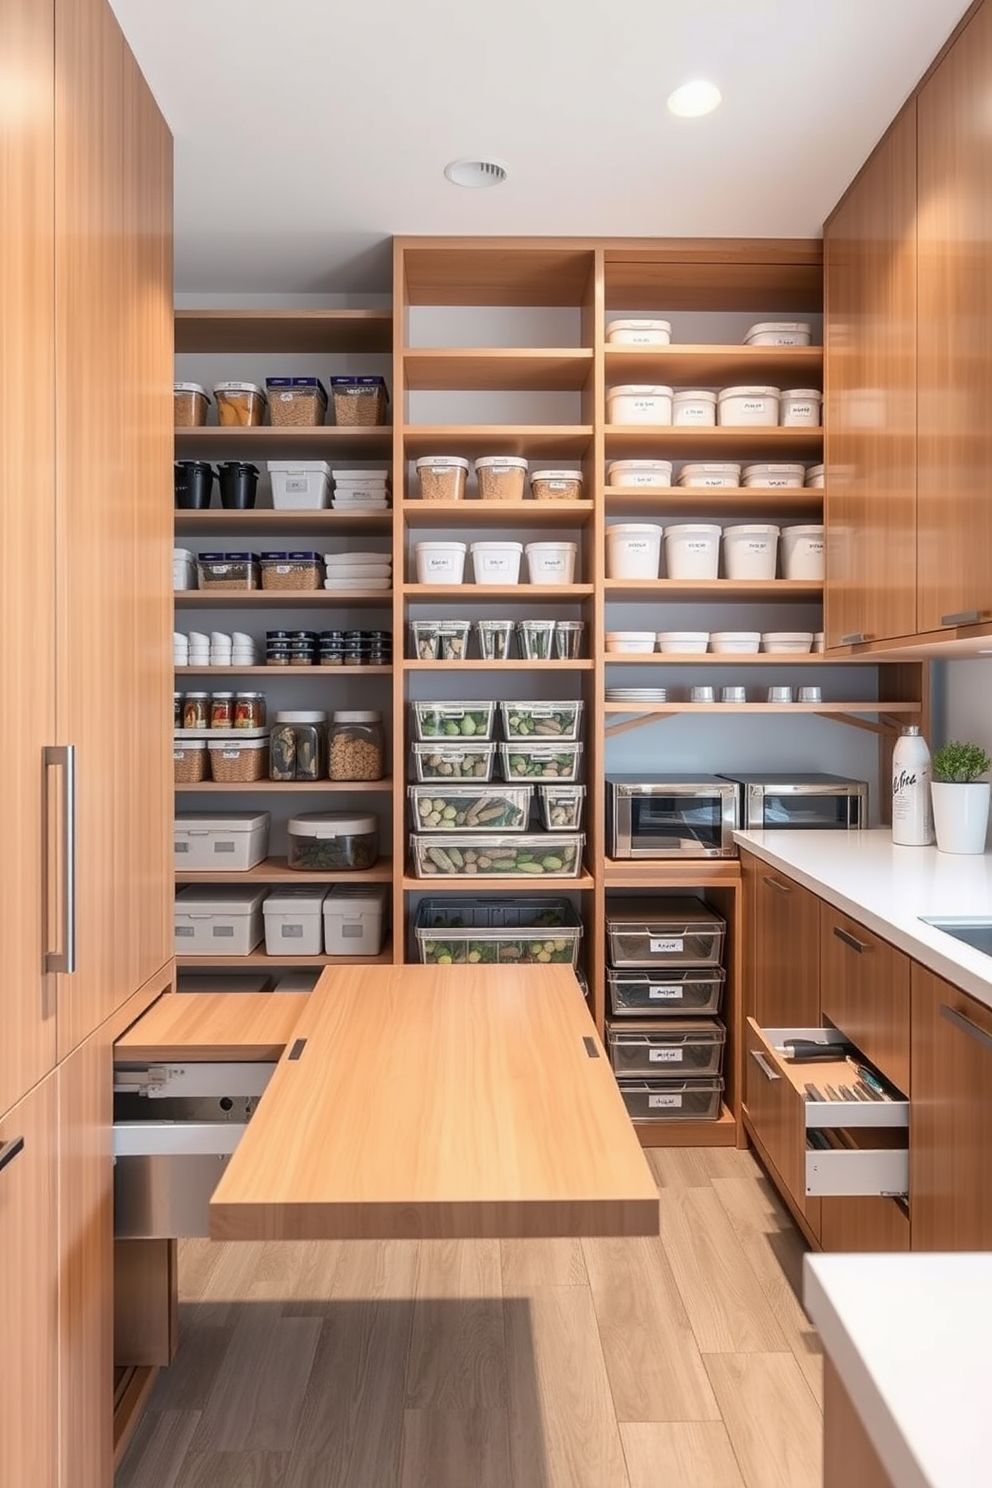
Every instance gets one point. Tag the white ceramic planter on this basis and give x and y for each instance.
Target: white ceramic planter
(960, 816)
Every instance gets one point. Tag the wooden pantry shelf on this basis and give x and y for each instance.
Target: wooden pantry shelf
(640, 441)
(735, 658)
(284, 330)
(278, 787)
(825, 708)
(536, 441)
(503, 369)
(510, 665)
(451, 514)
(719, 1133)
(517, 883)
(262, 958)
(798, 591)
(715, 366)
(274, 599)
(322, 672)
(275, 870)
(213, 442)
(322, 524)
(670, 873)
(716, 501)
(470, 593)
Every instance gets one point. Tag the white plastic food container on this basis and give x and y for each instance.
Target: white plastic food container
(748, 407)
(354, 920)
(300, 485)
(694, 408)
(292, 921)
(692, 550)
(731, 642)
(684, 642)
(639, 403)
(496, 562)
(656, 473)
(633, 550)
(556, 485)
(501, 477)
(814, 476)
(214, 920)
(778, 333)
(714, 474)
(551, 562)
(183, 569)
(803, 552)
(234, 840)
(440, 562)
(639, 642)
(750, 550)
(639, 332)
(442, 477)
(799, 408)
(789, 642)
(781, 477)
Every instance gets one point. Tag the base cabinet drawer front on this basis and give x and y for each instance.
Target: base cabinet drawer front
(864, 1224)
(875, 1172)
(786, 941)
(165, 1197)
(773, 1105)
(865, 992)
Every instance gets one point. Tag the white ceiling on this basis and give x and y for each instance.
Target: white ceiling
(309, 131)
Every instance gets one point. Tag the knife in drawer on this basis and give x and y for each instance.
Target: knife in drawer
(808, 1051)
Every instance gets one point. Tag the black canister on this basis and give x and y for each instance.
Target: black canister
(238, 482)
(194, 481)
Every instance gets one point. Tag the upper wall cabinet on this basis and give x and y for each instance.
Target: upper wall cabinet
(870, 500)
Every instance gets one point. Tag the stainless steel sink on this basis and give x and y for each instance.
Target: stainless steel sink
(971, 930)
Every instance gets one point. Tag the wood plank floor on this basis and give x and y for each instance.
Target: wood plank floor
(684, 1362)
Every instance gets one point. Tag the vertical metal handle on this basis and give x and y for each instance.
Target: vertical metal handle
(63, 757)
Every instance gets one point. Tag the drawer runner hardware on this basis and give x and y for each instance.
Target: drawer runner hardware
(158, 1081)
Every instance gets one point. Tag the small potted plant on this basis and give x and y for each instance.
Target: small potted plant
(960, 799)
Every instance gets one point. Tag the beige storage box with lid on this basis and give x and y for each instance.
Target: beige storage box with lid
(292, 920)
(218, 920)
(354, 920)
(234, 840)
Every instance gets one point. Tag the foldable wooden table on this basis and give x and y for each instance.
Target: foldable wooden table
(439, 1102)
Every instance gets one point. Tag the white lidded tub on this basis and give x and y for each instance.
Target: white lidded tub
(739, 642)
(496, 562)
(639, 403)
(750, 550)
(633, 550)
(788, 642)
(814, 476)
(640, 642)
(440, 562)
(684, 642)
(803, 552)
(778, 333)
(715, 474)
(748, 407)
(657, 473)
(799, 408)
(692, 550)
(551, 562)
(639, 332)
(778, 476)
(694, 408)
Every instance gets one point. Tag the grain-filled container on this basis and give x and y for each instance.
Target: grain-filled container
(359, 402)
(694, 408)
(496, 562)
(556, 485)
(356, 746)
(639, 403)
(551, 562)
(712, 475)
(683, 1046)
(190, 402)
(354, 920)
(442, 477)
(292, 570)
(698, 990)
(748, 407)
(750, 550)
(639, 473)
(298, 746)
(218, 920)
(440, 562)
(333, 841)
(300, 485)
(296, 402)
(692, 550)
(239, 404)
(190, 761)
(639, 332)
(694, 1099)
(778, 333)
(501, 477)
(235, 761)
(778, 477)
(814, 476)
(292, 918)
(799, 408)
(228, 571)
(234, 840)
(677, 932)
(803, 552)
(633, 550)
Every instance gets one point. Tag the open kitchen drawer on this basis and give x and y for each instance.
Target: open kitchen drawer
(869, 1155)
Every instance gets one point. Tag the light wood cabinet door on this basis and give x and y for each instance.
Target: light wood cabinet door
(785, 951)
(27, 537)
(955, 349)
(950, 1118)
(864, 991)
(29, 1290)
(870, 386)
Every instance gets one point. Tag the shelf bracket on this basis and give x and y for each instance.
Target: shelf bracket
(885, 725)
(638, 721)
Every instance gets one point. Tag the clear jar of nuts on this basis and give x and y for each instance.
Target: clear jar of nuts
(357, 747)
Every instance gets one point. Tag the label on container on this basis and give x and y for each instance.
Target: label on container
(714, 480)
(757, 544)
(292, 932)
(225, 847)
(181, 847)
(665, 994)
(647, 405)
(664, 1102)
(440, 564)
(558, 485)
(298, 484)
(753, 405)
(284, 568)
(664, 1056)
(642, 479)
(553, 565)
(184, 930)
(497, 564)
(636, 544)
(230, 754)
(351, 932)
(697, 545)
(222, 932)
(694, 413)
(672, 945)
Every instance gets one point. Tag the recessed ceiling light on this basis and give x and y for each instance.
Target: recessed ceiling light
(694, 99)
(475, 173)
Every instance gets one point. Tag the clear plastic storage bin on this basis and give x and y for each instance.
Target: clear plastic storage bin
(505, 932)
(540, 855)
(239, 404)
(562, 806)
(469, 808)
(333, 841)
(664, 932)
(672, 1100)
(541, 722)
(540, 761)
(447, 760)
(296, 402)
(697, 990)
(228, 571)
(677, 1047)
(359, 401)
(450, 721)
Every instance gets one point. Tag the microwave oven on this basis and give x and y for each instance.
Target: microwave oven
(808, 802)
(671, 816)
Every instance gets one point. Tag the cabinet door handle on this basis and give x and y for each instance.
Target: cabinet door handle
(962, 617)
(966, 1026)
(849, 940)
(855, 638)
(761, 1061)
(63, 757)
(773, 883)
(9, 1150)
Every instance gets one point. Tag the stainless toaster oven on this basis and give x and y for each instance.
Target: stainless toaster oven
(671, 816)
(809, 801)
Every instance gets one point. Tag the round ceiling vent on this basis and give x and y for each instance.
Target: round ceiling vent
(475, 173)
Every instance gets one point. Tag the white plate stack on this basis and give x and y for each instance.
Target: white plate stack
(360, 490)
(358, 571)
(636, 694)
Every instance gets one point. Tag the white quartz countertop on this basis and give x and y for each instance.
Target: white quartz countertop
(888, 888)
(909, 1336)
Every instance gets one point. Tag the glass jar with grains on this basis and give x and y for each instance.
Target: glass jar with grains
(357, 746)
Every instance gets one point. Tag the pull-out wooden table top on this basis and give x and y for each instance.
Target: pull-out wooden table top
(439, 1102)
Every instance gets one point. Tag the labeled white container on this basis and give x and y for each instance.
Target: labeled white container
(442, 477)
(684, 642)
(713, 474)
(496, 562)
(300, 485)
(214, 920)
(788, 642)
(640, 642)
(799, 408)
(354, 920)
(814, 476)
(639, 332)
(735, 642)
(912, 773)
(781, 477)
(293, 921)
(778, 333)
(748, 407)
(551, 562)
(633, 550)
(556, 485)
(750, 550)
(694, 409)
(692, 550)
(440, 562)
(639, 403)
(234, 840)
(501, 477)
(183, 568)
(639, 473)
(803, 552)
